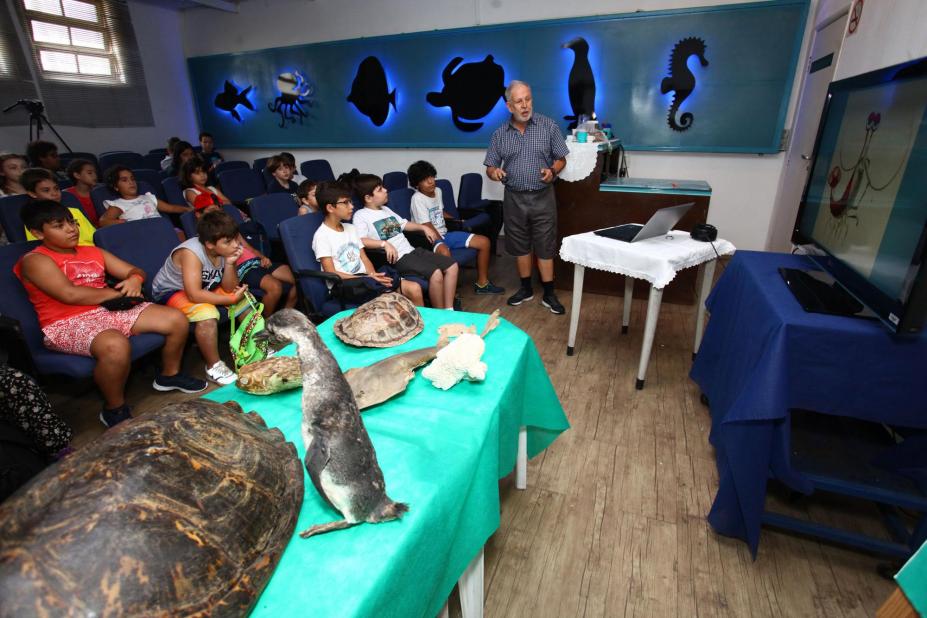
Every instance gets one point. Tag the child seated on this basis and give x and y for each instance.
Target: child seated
(168, 159)
(83, 174)
(180, 154)
(12, 167)
(291, 161)
(306, 195)
(338, 248)
(45, 155)
(210, 156)
(282, 175)
(200, 274)
(40, 184)
(66, 283)
(193, 178)
(130, 206)
(428, 209)
(255, 269)
(381, 228)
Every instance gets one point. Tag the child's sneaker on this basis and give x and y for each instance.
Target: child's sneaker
(179, 382)
(489, 288)
(221, 374)
(113, 417)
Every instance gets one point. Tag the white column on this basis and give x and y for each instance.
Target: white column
(708, 277)
(653, 315)
(578, 274)
(470, 586)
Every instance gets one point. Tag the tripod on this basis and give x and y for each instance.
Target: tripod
(37, 120)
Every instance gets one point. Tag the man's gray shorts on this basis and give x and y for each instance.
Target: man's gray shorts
(530, 219)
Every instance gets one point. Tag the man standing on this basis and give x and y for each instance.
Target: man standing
(526, 154)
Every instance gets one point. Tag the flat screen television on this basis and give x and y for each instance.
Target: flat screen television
(864, 209)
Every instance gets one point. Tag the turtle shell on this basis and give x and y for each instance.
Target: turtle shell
(387, 320)
(183, 511)
(269, 376)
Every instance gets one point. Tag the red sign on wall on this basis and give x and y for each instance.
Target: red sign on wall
(855, 15)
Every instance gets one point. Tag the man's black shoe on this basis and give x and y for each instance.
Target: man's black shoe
(520, 296)
(550, 301)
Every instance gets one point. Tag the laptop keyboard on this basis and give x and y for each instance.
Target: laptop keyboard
(625, 233)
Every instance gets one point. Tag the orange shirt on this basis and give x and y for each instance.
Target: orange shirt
(84, 267)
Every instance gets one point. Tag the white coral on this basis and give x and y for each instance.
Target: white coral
(459, 359)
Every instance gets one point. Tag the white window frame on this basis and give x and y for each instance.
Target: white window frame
(110, 52)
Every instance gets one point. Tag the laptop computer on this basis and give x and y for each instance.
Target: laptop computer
(659, 224)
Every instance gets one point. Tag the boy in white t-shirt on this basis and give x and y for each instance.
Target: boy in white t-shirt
(340, 251)
(381, 228)
(130, 206)
(428, 208)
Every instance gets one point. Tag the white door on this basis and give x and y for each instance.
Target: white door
(820, 69)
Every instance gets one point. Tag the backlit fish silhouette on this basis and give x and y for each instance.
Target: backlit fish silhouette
(230, 98)
(370, 92)
(471, 92)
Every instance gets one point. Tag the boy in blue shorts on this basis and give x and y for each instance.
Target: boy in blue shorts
(428, 208)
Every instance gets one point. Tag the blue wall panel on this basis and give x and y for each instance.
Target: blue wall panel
(738, 104)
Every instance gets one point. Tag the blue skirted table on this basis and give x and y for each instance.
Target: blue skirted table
(763, 355)
(442, 452)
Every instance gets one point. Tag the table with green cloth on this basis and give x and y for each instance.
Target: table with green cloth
(442, 453)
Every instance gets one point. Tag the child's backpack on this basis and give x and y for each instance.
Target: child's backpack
(245, 349)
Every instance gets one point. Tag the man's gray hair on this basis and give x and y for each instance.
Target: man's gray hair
(513, 84)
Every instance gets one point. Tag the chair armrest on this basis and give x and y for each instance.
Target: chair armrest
(478, 206)
(318, 274)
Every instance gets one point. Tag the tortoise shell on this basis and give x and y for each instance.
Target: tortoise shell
(387, 320)
(273, 375)
(182, 511)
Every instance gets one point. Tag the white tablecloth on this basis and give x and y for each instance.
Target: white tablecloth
(656, 260)
(581, 160)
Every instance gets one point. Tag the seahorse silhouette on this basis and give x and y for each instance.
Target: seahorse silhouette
(681, 80)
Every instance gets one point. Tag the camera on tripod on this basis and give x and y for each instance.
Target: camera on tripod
(33, 106)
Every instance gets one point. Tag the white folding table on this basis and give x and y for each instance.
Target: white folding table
(656, 260)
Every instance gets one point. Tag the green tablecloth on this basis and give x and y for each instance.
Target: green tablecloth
(912, 579)
(442, 452)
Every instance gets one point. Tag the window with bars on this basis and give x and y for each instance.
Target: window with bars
(71, 40)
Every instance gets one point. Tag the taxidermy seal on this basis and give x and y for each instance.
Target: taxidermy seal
(340, 458)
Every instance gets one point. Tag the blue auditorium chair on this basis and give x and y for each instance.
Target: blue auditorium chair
(152, 161)
(395, 180)
(269, 210)
(231, 165)
(188, 219)
(10, 206)
(319, 170)
(144, 243)
(240, 185)
(260, 163)
(173, 192)
(152, 179)
(132, 160)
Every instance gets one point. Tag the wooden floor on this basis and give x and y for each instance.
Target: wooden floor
(613, 520)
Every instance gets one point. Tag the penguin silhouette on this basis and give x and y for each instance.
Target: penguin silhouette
(581, 85)
(340, 458)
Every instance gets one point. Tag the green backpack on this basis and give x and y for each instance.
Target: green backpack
(245, 349)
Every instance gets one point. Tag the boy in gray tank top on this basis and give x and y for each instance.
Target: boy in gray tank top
(198, 276)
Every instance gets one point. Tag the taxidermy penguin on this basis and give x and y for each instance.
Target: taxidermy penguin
(582, 83)
(339, 455)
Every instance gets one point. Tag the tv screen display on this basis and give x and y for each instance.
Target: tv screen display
(865, 203)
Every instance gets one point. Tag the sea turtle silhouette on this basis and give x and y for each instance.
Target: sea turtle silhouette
(471, 92)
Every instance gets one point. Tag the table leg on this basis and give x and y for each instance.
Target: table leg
(521, 460)
(578, 273)
(708, 277)
(626, 306)
(653, 314)
(470, 586)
